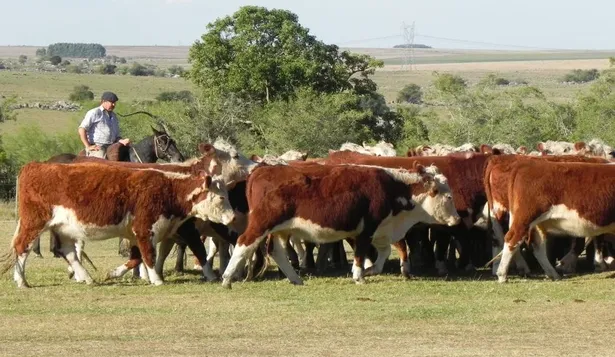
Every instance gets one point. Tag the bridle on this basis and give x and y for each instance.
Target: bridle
(157, 142)
(157, 139)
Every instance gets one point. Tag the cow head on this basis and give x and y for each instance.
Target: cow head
(293, 155)
(436, 198)
(210, 200)
(234, 167)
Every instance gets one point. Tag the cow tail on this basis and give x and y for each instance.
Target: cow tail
(487, 183)
(8, 259)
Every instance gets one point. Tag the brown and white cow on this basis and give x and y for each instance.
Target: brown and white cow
(546, 196)
(327, 203)
(497, 179)
(90, 202)
(465, 178)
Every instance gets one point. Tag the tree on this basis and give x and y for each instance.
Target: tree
(55, 60)
(41, 52)
(266, 55)
(23, 59)
(411, 93)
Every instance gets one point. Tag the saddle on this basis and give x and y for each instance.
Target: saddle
(115, 152)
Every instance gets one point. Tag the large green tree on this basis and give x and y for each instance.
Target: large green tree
(265, 55)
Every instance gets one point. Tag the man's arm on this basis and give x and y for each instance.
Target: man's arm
(83, 134)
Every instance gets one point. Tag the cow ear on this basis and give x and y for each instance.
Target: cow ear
(540, 147)
(207, 178)
(207, 149)
(522, 150)
(419, 168)
(579, 145)
(486, 149)
(304, 156)
(496, 152)
(156, 132)
(426, 148)
(256, 158)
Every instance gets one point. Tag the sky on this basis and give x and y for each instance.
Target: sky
(481, 24)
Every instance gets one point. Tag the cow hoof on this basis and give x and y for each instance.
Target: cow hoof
(359, 281)
(226, 283)
(298, 282)
(38, 255)
(157, 283)
(502, 279)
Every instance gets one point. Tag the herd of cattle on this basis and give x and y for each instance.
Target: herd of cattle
(470, 205)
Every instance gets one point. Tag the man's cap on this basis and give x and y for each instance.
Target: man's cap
(109, 96)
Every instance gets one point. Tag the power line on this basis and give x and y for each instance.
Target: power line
(368, 39)
(408, 34)
(491, 43)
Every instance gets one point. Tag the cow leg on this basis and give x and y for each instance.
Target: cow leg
(224, 254)
(292, 255)
(309, 255)
(568, 264)
(69, 251)
(442, 240)
(163, 252)
(191, 235)
(212, 249)
(241, 252)
(511, 244)
(383, 247)
(36, 247)
(404, 262)
(361, 247)
(539, 241)
(599, 264)
(180, 260)
(301, 254)
(322, 258)
(133, 261)
(280, 257)
(148, 253)
(22, 243)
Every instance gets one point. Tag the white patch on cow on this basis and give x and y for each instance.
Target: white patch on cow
(65, 222)
(561, 219)
(382, 148)
(307, 230)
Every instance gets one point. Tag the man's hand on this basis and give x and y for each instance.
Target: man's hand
(93, 148)
(124, 142)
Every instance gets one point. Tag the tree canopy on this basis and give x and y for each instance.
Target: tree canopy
(266, 55)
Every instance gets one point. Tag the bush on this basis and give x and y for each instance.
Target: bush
(491, 80)
(81, 93)
(581, 75)
(176, 70)
(183, 96)
(123, 70)
(23, 59)
(122, 60)
(55, 60)
(41, 145)
(411, 93)
(74, 68)
(138, 69)
(107, 69)
(41, 52)
(159, 72)
(65, 63)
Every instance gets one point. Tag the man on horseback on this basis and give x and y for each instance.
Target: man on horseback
(100, 127)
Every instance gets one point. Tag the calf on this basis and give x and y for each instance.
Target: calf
(89, 202)
(569, 198)
(325, 203)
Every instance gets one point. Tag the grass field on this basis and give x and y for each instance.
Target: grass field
(388, 316)
(330, 316)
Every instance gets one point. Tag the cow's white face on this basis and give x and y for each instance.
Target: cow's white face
(212, 204)
(235, 166)
(437, 202)
(292, 155)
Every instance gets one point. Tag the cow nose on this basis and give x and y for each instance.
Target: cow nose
(453, 221)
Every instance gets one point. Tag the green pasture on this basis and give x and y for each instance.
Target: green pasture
(328, 316)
